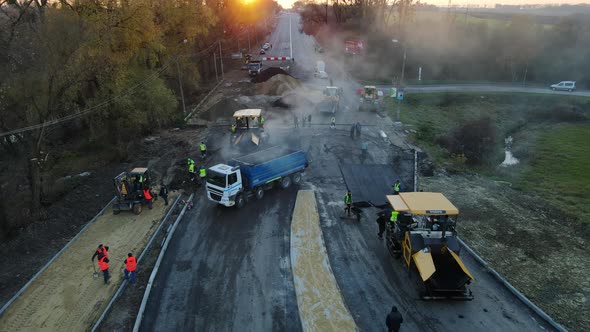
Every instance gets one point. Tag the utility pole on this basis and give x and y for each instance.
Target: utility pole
(215, 65)
(180, 84)
(221, 60)
(249, 48)
(401, 83)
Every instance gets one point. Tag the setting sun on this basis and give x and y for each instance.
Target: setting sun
(247, 2)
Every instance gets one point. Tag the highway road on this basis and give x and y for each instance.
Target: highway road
(485, 88)
(230, 270)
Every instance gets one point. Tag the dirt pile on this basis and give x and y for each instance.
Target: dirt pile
(267, 74)
(278, 85)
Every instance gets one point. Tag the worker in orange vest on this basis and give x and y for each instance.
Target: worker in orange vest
(103, 264)
(130, 267)
(147, 195)
(101, 251)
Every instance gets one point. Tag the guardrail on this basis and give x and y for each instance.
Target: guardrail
(148, 288)
(145, 250)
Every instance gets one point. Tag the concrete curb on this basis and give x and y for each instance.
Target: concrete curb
(148, 288)
(513, 290)
(202, 101)
(54, 257)
(124, 283)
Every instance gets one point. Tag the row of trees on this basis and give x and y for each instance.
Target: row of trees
(456, 46)
(106, 71)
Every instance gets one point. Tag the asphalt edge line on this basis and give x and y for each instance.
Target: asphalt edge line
(202, 101)
(327, 261)
(7, 304)
(513, 290)
(148, 287)
(124, 283)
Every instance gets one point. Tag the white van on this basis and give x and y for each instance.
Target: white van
(564, 86)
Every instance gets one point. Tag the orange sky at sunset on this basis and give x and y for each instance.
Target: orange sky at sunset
(489, 3)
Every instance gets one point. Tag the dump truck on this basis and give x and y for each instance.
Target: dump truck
(232, 184)
(425, 236)
(371, 98)
(330, 102)
(254, 67)
(129, 190)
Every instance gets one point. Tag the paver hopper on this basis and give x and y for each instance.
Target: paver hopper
(425, 236)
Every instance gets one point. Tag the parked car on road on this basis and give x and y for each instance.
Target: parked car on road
(262, 51)
(266, 46)
(564, 86)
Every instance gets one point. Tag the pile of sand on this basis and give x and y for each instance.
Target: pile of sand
(278, 85)
(267, 74)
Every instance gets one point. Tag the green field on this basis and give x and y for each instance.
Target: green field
(559, 170)
(551, 140)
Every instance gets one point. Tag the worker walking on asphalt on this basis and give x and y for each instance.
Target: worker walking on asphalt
(130, 267)
(203, 149)
(233, 128)
(203, 174)
(296, 121)
(396, 187)
(191, 169)
(261, 121)
(333, 123)
(103, 265)
(101, 251)
(348, 202)
(394, 320)
(164, 193)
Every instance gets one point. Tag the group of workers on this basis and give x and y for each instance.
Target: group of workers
(304, 119)
(102, 253)
(382, 220)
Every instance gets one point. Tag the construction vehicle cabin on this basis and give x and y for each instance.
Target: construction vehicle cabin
(129, 188)
(426, 237)
(245, 120)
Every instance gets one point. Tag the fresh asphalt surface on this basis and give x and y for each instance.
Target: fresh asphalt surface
(229, 270)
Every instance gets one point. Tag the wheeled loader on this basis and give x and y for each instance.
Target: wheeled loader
(129, 188)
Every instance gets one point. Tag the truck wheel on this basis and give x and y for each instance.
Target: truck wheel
(137, 208)
(286, 182)
(240, 202)
(296, 178)
(259, 192)
(116, 211)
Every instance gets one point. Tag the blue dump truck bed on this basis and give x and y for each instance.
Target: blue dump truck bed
(268, 165)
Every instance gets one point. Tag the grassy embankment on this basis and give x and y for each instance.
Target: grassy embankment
(551, 140)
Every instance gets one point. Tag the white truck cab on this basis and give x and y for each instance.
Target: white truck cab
(224, 183)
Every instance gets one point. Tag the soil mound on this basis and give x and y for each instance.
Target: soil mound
(278, 85)
(267, 74)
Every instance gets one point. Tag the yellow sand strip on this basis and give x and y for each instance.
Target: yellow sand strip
(321, 306)
(66, 297)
